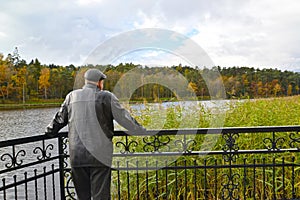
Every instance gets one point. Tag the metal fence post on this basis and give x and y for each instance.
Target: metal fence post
(61, 167)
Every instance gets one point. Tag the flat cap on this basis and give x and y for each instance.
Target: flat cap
(94, 75)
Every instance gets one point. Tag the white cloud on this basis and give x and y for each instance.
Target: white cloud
(143, 21)
(3, 35)
(88, 2)
(232, 32)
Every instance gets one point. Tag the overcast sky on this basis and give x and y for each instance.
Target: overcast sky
(254, 33)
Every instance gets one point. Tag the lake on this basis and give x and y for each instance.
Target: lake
(29, 122)
(23, 123)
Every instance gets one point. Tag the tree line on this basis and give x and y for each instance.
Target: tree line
(21, 81)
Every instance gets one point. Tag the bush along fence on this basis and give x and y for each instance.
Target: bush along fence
(220, 163)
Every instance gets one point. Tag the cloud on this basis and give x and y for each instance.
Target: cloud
(232, 32)
(2, 35)
(88, 2)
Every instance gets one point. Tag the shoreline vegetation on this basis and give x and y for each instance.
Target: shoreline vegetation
(25, 82)
(280, 111)
(256, 107)
(27, 106)
(9, 105)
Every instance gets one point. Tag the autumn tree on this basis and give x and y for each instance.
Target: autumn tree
(192, 87)
(44, 80)
(290, 90)
(5, 78)
(20, 83)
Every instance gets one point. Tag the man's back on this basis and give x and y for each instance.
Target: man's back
(90, 126)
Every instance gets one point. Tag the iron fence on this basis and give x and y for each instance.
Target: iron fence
(166, 164)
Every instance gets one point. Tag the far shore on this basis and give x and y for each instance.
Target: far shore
(28, 106)
(53, 103)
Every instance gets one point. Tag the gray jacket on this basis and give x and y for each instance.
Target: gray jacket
(89, 114)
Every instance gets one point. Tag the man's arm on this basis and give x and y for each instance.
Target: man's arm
(124, 118)
(59, 121)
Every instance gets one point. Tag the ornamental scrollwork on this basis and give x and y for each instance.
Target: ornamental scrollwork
(128, 147)
(184, 144)
(69, 187)
(230, 188)
(273, 143)
(294, 140)
(65, 142)
(230, 147)
(156, 143)
(44, 154)
(13, 158)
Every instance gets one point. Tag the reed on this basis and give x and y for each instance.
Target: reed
(201, 182)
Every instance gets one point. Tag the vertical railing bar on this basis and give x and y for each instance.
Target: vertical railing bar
(16, 189)
(176, 181)
(45, 183)
(4, 191)
(205, 180)
(61, 168)
(119, 181)
(14, 156)
(35, 184)
(245, 179)
(273, 141)
(185, 180)
(166, 163)
(264, 178)
(195, 179)
(156, 179)
(147, 181)
(26, 186)
(283, 181)
(53, 182)
(128, 180)
(274, 183)
(126, 141)
(216, 177)
(44, 150)
(184, 149)
(137, 180)
(254, 177)
(293, 178)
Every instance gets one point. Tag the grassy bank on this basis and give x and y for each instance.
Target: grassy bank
(259, 112)
(9, 105)
(264, 112)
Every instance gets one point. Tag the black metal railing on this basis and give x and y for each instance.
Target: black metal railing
(166, 164)
(30, 168)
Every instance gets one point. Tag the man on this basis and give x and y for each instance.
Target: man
(89, 113)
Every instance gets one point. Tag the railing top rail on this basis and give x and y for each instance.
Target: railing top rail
(259, 129)
(22, 140)
(29, 139)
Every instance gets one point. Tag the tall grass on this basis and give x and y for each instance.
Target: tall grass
(264, 112)
(173, 184)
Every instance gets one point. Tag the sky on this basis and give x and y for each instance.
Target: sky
(252, 33)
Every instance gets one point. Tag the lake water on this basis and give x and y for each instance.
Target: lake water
(29, 122)
(23, 123)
